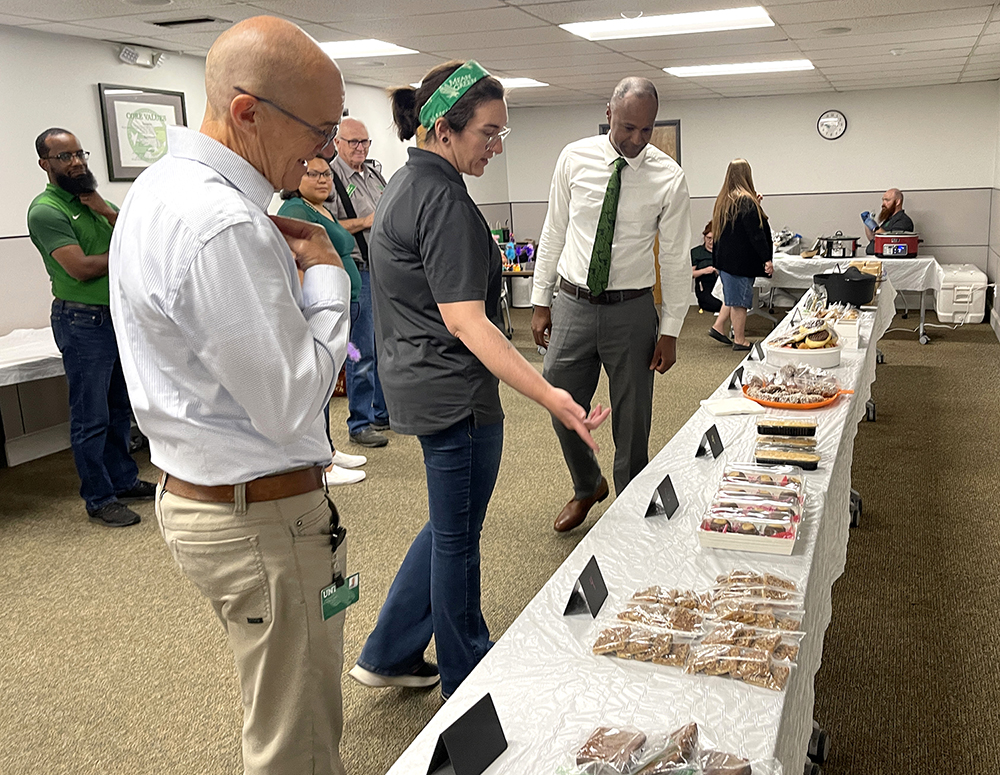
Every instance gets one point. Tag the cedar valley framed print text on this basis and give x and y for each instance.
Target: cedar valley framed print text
(135, 122)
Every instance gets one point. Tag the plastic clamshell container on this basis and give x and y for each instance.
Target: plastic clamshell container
(823, 357)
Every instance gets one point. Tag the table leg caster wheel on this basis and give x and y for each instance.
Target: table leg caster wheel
(819, 745)
(855, 508)
(812, 768)
(924, 339)
(879, 356)
(870, 410)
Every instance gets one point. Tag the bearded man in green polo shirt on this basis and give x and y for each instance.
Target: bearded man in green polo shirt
(71, 225)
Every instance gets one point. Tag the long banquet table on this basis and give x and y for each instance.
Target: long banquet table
(550, 691)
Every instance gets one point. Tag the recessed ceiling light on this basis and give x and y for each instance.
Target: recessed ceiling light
(672, 24)
(521, 83)
(359, 49)
(897, 51)
(741, 68)
(148, 2)
(834, 30)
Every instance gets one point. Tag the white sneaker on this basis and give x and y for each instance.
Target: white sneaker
(337, 475)
(344, 460)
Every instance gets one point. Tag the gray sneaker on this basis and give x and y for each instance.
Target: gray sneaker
(115, 514)
(426, 674)
(370, 438)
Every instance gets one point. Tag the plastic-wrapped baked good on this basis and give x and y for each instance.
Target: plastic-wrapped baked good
(785, 476)
(680, 749)
(611, 749)
(770, 615)
(780, 644)
(666, 617)
(752, 666)
(719, 763)
(805, 443)
(808, 461)
(612, 639)
(785, 426)
(732, 591)
(682, 598)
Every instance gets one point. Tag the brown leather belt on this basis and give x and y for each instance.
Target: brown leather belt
(267, 488)
(607, 297)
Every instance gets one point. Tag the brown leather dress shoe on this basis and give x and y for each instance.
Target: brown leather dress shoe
(575, 511)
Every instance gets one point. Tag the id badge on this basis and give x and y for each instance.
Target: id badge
(335, 599)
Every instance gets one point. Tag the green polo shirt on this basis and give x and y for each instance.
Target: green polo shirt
(56, 219)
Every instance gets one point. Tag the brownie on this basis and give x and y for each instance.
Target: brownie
(719, 763)
(612, 747)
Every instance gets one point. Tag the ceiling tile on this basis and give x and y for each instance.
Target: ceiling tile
(590, 10)
(866, 10)
(894, 24)
(325, 12)
(73, 10)
(441, 23)
(708, 41)
(487, 39)
(887, 39)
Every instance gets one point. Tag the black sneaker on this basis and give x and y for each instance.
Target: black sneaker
(379, 426)
(143, 491)
(115, 514)
(369, 438)
(425, 675)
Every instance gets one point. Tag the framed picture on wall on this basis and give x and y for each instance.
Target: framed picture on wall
(666, 137)
(135, 120)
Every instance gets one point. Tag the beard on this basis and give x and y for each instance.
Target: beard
(886, 213)
(81, 184)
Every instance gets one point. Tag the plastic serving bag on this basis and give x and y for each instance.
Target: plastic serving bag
(626, 750)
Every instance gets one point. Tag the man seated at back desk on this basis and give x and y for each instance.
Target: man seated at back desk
(892, 218)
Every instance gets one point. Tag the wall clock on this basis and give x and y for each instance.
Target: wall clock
(831, 125)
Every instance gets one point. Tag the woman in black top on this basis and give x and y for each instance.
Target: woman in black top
(743, 250)
(435, 272)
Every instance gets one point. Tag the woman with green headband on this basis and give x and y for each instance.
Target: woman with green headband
(436, 275)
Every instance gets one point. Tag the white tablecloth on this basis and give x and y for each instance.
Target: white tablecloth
(551, 691)
(922, 273)
(27, 354)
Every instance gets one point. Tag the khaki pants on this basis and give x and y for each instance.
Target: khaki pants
(263, 570)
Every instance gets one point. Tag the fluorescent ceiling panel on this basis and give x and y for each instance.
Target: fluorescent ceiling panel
(354, 49)
(672, 24)
(740, 68)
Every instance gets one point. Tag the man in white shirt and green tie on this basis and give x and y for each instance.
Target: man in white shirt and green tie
(611, 196)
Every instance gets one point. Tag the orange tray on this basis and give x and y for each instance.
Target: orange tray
(780, 405)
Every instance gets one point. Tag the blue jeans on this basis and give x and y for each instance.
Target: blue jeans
(100, 415)
(364, 391)
(437, 589)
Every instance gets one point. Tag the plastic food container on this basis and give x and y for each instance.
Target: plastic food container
(823, 357)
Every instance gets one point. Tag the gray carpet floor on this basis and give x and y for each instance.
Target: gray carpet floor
(112, 663)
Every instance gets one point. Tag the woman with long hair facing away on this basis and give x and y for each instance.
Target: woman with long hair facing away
(435, 272)
(743, 250)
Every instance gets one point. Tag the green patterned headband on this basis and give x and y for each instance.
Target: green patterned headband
(447, 94)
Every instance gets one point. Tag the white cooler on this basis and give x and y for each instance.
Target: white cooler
(520, 292)
(963, 294)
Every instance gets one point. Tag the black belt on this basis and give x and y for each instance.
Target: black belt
(607, 297)
(80, 305)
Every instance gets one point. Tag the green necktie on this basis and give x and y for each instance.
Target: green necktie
(600, 258)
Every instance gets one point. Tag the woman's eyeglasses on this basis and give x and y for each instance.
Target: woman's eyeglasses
(494, 139)
(317, 175)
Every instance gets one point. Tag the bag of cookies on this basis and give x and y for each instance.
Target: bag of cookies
(752, 666)
(768, 614)
(782, 645)
(644, 645)
(665, 617)
(681, 598)
(745, 576)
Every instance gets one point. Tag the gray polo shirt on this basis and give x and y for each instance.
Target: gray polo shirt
(364, 189)
(430, 245)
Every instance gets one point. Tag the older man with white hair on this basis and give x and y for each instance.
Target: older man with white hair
(359, 184)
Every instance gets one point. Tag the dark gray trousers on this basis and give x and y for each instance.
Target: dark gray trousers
(621, 338)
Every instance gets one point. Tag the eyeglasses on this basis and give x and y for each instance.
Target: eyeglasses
(67, 156)
(314, 174)
(493, 139)
(357, 143)
(327, 136)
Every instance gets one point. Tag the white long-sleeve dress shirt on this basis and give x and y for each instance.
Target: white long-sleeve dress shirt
(653, 201)
(229, 362)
